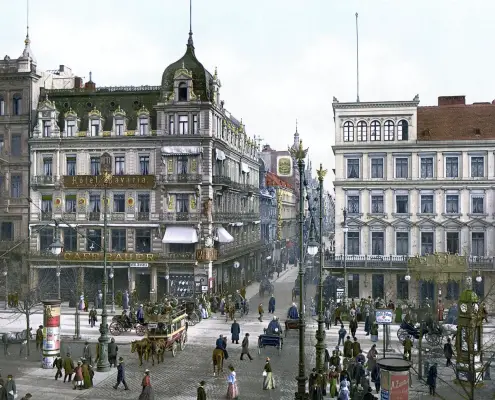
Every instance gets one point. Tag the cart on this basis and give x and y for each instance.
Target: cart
(120, 325)
(169, 335)
(291, 324)
(269, 340)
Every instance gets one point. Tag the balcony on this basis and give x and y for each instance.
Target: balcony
(69, 216)
(180, 178)
(46, 216)
(44, 180)
(94, 216)
(179, 256)
(224, 216)
(239, 247)
(143, 216)
(116, 216)
(222, 181)
(180, 216)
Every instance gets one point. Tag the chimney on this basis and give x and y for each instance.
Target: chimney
(78, 82)
(451, 100)
(90, 85)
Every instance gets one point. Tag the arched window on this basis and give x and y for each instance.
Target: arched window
(403, 130)
(375, 131)
(362, 131)
(17, 104)
(388, 130)
(2, 106)
(348, 132)
(182, 91)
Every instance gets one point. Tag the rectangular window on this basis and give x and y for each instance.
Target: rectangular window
(94, 240)
(94, 203)
(143, 240)
(2, 106)
(182, 201)
(6, 231)
(477, 205)
(119, 165)
(118, 240)
(453, 242)
(426, 204)
(427, 167)
(452, 290)
(182, 162)
(119, 203)
(452, 204)
(353, 168)
(183, 125)
(402, 243)
(402, 204)
(377, 204)
(144, 203)
(477, 167)
(95, 127)
(353, 204)
(16, 186)
(15, 145)
(353, 243)
(119, 127)
(46, 203)
(426, 243)
(46, 238)
(478, 244)
(171, 130)
(452, 167)
(402, 287)
(377, 168)
(71, 128)
(353, 286)
(401, 168)
(195, 124)
(143, 126)
(71, 165)
(377, 243)
(47, 128)
(70, 239)
(70, 203)
(47, 166)
(144, 164)
(2, 144)
(378, 286)
(95, 166)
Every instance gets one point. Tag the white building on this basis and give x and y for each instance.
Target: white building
(414, 181)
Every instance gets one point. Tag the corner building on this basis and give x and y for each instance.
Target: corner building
(183, 202)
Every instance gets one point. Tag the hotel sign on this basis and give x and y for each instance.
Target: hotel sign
(125, 257)
(206, 254)
(117, 182)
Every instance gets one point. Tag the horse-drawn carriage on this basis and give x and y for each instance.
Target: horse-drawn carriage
(432, 332)
(123, 323)
(265, 286)
(166, 330)
(271, 337)
(290, 325)
(236, 306)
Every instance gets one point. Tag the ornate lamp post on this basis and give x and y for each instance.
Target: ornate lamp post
(56, 248)
(106, 169)
(345, 229)
(299, 153)
(112, 275)
(5, 273)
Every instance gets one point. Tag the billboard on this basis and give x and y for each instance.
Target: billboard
(284, 166)
(384, 316)
(399, 387)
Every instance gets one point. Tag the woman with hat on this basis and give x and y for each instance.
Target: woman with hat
(147, 392)
(78, 376)
(333, 376)
(268, 382)
(232, 390)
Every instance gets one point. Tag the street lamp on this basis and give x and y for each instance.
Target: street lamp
(407, 277)
(56, 248)
(5, 273)
(345, 229)
(479, 279)
(111, 276)
(299, 153)
(58, 281)
(312, 245)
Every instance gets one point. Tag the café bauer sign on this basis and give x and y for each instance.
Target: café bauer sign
(98, 256)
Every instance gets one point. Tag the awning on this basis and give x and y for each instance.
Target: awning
(219, 154)
(181, 150)
(224, 236)
(245, 168)
(180, 234)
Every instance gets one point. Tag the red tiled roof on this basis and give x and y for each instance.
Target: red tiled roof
(274, 180)
(457, 122)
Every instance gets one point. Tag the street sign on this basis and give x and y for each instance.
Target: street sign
(383, 317)
(139, 265)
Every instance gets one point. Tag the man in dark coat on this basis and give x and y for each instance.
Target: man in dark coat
(245, 347)
(112, 352)
(125, 301)
(121, 375)
(39, 338)
(356, 348)
(201, 391)
(68, 368)
(57, 363)
(431, 380)
(11, 388)
(353, 325)
(87, 353)
(348, 347)
(271, 304)
(3, 390)
(235, 330)
(448, 352)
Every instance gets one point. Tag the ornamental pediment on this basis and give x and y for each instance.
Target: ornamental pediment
(183, 73)
(119, 112)
(428, 222)
(143, 112)
(95, 113)
(402, 223)
(452, 223)
(478, 223)
(378, 222)
(47, 105)
(354, 222)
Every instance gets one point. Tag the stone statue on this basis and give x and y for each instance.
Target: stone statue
(207, 206)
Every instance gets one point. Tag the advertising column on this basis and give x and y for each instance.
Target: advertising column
(394, 378)
(51, 332)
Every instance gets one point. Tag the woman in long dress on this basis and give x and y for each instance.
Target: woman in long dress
(268, 382)
(372, 354)
(334, 384)
(232, 390)
(147, 392)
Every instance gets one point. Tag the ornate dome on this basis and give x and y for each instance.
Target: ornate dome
(202, 79)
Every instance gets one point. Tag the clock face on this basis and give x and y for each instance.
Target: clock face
(463, 307)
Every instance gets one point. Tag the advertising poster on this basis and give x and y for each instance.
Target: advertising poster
(385, 379)
(52, 315)
(399, 387)
(384, 395)
(51, 332)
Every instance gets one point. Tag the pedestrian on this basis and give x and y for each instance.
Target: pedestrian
(408, 345)
(431, 380)
(112, 352)
(125, 301)
(268, 381)
(121, 375)
(140, 314)
(344, 393)
(440, 310)
(484, 313)
(39, 338)
(243, 292)
(316, 392)
(338, 313)
(375, 377)
(374, 332)
(201, 391)
(369, 395)
(87, 378)
(342, 334)
(232, 390)
(312, 379)
(271, 304)
(3, 390)
(87, 353)
(353, 325)
(147, 391)
(222, 306)
(348, 348)
(57, 363)
(235, 330)
(335, 360)
(78, 381)
(11, 388)
(260, 312)
(448, 352)
(356, 348)
(333, 376)
(245, 347)
(93, 317)
(371, 356)
(224, 339)
(68, 368)
(328, 318)
(367, 319)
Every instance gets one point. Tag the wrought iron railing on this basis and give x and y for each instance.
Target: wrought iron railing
(180, 178)
(222, 180)
(143, 216)
(179, 256)
(180, 216)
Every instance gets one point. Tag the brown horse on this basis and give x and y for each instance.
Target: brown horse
(142, 348)
(217, 361)
(229, 311)
(158, 348)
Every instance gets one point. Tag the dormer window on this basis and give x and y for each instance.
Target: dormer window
(47, 128)
(143, 126)
(17, 104)
(70, 128)
(119, 127)
(95, 127)
(182, 91)
(2, 106)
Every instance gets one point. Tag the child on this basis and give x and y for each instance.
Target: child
(260, 312)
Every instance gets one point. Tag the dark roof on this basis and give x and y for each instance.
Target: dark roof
(274, 180)
(202, 79)
(457, 122)
(106, 100)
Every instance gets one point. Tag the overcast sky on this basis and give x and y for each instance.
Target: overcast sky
(278, 60)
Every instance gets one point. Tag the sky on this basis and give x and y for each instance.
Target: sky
(278, 60)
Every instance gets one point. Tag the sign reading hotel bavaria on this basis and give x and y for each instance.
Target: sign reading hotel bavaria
(117, 182)
(98, 256)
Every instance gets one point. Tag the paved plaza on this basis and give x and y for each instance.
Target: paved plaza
(178, 378)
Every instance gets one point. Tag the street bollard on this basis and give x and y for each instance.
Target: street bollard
(426, 369)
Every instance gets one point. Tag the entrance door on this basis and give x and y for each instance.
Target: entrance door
(426, 292)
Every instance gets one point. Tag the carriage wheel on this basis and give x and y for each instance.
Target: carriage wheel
(174, 349)
(193, 319)
(183, 340)
(140, 330)
(434, 340)
(402, 334)
(115, 329)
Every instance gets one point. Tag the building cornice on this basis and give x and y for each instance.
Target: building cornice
(372, 104)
